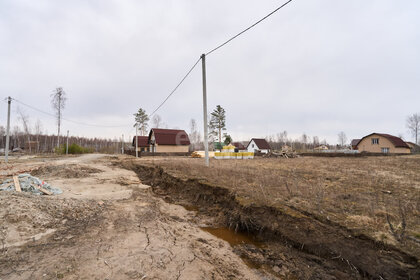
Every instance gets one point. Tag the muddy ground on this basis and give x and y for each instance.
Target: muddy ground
(106, 225)
(119, 219)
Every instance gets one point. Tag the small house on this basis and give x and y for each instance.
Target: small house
(383, 143)
(239, 146)
(413, 147)
(258, 144)
(142, 143)
(354, 143)
(168, 140)
(321, 148)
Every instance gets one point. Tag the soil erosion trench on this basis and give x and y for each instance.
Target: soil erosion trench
(332, 246)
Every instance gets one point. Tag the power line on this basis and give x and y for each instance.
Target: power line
(245, 30)
(177, 86)
(65, 119)
(213, 50)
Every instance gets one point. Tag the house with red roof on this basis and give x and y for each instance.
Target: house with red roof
(168, 140)
(383, 143)
(142, 143)
(258, 144)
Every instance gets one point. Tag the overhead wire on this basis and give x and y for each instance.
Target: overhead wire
(215, 49)
(248, 28)
(65, 119)
(177, 86)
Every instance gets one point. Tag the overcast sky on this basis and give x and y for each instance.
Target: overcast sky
(314, 67)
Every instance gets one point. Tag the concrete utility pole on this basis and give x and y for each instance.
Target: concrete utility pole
(67, 144)
(59, 119)
(122, 144)
(137, 144)
(206, 140)
(6, 151)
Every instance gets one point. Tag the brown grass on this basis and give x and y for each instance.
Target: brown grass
(355, 192)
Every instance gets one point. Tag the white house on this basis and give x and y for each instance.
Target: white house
(257, 144)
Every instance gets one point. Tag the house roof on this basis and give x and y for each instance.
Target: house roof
(355, 142)
(261, 143)
(170, 136)
(396, 141)
(239, 145)
(142, 141)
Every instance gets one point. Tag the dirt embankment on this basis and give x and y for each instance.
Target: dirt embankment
(295, 240)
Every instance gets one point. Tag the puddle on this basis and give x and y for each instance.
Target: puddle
(232, 237)
(190, 207)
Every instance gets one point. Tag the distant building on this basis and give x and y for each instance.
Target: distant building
(321, 148)
(383, 143)
(239, 146)
(413, 147)
(354, 143)
(168, 140)
(258, 144)
(142, 143)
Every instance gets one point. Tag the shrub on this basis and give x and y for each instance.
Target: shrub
(73, 149)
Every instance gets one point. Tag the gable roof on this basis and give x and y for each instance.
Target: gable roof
(239, 145)
(396, 141)
(169, 136)
(261, 143)
(142, 141)
(355, 142)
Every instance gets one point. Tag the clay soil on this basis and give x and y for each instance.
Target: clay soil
(106, 225)
(172, 218)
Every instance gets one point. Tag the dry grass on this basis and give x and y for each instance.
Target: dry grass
(355, 192)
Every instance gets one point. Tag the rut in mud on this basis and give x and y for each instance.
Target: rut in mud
(295, 241)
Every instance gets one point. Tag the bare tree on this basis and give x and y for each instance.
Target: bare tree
(413, 125)
(26, 126)
(157, 121)
(342, 139)
(58, 102)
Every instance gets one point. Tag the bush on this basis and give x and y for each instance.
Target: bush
(73, 149)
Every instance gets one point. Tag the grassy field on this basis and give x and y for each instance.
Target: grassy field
(376, 196)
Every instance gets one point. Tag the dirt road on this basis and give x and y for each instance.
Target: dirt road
(106, 225)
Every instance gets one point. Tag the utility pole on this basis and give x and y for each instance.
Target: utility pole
(122, 144)
(137, 144)
(67, 144)
(6, 151)
(59, 119)
(206, 139)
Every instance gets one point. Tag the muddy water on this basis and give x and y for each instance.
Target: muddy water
(236, 238)
(232, 237)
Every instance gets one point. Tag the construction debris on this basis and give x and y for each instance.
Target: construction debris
(285, 152)
(28, 183)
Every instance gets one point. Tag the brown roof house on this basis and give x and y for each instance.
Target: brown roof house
(258, 144)
(142, 143)
(168, 140)
(383, 143)
(238, 146)
(354, 143)
(414, 147)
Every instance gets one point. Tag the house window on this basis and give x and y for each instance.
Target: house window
(385, 150)
(252, 145)
(375, 141)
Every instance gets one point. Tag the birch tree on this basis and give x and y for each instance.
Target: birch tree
(58, 101)
(413, 125)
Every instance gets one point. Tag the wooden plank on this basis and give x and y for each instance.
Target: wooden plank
(44, 190)
(17, 184)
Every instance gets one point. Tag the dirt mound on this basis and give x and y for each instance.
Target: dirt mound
(26, 217)
(65, 171)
